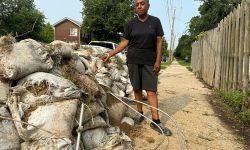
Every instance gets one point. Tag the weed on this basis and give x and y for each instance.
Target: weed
(164, 65)
(245, 116)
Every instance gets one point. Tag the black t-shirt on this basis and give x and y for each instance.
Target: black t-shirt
(142, 38)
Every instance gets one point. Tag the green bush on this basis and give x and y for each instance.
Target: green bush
(233, 99)
(245, 116)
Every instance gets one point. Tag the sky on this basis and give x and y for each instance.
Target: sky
(55, 10)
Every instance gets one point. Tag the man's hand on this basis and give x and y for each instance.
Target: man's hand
(105, 57)
(157, 67)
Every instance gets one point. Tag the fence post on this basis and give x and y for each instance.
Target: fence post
(245, 103)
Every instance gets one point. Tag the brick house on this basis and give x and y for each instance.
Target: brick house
(67, 30)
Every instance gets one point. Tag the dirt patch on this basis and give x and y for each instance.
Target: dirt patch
(233, 122)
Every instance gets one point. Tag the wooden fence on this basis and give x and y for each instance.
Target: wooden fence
(221, 56)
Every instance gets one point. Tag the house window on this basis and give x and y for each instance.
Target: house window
(73, 32)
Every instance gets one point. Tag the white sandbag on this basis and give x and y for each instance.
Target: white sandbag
(79, 66)
(94, 138)
(95, 109)
(92, 64)
(116, 112)
(128, 121)
(103, 70)
(97, 122)
(7, 40)
(115, 89)
(26, 57)
(120, 86)
(115, 74)
(121, 93)
(84, 52)
(124, 80)
(103, 79)
(129, 89)
(117, 140)
(85, 62)
(44, 117)
(9, 139)
(124, 73)
(48, 144)
(61, 48)
(4, 91)
(99, 64)
(53, 85)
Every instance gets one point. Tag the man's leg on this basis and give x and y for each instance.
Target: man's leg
(152, 98)
(138, 97)
(138, 118)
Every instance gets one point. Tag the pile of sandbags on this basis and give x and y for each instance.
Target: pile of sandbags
(43, 87)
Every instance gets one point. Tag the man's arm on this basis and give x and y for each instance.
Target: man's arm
(118, 49)
(157, 65)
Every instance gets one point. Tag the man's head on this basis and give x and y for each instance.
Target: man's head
(141, 7)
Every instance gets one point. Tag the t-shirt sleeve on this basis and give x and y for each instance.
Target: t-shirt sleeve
(159, 28)
(126, 33)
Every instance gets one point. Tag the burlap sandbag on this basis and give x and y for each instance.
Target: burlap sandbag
(97, 122)
(9, 139)
(4, 90)
(60, 48)
(53, 120)
(48, 144)
(94, 138)
(41, 83)
(26, 57)
(116, 109)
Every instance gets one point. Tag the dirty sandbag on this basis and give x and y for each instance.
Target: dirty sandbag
(6, 44)
(9, 138)
(26, 57)
(115, 74)
(4, 90)
(96, 51)
(117, 140)
(48, 144)
(94, 138)
(120, 86)
(41, 83)
(92, 64)
(128, 121)
(43, 118)
(97, 122)
(60, 48)
(77, 63)
(116, 109)
(103, 70)
(129, 89)
(85, 53)
(99, 64)
(7, 40)
(93, 110)
(86, 83)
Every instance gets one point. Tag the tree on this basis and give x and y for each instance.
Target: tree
(165, 51)
(106, 18)
(21, 18)
(47, 33)
(211, 13)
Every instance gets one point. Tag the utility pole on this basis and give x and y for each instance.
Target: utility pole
(171, 57)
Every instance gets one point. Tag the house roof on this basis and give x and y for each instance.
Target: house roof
(71, 20)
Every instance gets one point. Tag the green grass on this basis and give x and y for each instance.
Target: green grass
(185, 64)
(234, 100)
(164, 65)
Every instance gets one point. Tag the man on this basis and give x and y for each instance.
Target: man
(143, 36)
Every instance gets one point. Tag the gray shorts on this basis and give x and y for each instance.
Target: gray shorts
(142, 77)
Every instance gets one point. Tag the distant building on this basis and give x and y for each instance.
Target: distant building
(67, 30)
